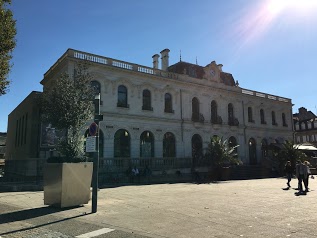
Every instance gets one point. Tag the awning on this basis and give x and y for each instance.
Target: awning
(306, 147)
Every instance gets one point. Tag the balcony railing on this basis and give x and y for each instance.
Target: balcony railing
(198, 117)
(233, 122)
(216, 120)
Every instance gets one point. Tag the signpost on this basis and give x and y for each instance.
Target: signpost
(93, 128)
(94, 132)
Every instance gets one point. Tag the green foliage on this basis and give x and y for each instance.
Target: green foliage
(7, 44)
(289, 152)
(67, 105)
(220, 153)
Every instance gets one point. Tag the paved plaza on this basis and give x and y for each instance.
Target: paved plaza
(245, 208)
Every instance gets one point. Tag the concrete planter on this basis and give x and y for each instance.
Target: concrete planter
(67, 184)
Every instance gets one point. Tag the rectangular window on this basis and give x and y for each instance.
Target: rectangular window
(19, 131)
(22, 131)
(16, 133)
(25, 127)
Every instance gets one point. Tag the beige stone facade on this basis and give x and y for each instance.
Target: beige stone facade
(255, 117)
(167, 112)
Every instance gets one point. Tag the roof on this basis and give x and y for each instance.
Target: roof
(193, 70)
(304, 115)
(197, 71)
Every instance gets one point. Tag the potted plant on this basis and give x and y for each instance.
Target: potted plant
(221, 156)
(67, 105)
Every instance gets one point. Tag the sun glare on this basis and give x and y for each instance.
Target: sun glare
(296, 6)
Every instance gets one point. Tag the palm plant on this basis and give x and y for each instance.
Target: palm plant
(289, 152)
(220, 153)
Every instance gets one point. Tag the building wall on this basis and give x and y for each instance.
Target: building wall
(305, 125)
(111, 73)
(23, 129)
(183, 89)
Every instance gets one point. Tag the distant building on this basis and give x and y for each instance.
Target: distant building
(22, 148)
(162, 113)
(305, 124)
(3, 138)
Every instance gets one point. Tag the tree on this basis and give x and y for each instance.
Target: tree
(67, 105)
(220, 153)
(7, 44)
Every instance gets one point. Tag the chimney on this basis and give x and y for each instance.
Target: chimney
(155, 61)
(164, 57)
(220, 67)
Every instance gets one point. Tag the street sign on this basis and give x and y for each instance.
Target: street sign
(91, 144)
(93, 128)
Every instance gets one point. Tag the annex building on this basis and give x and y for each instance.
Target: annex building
(162, 112)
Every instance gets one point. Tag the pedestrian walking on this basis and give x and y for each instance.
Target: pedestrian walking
(135, 174)
(307, 174)
(289, 172)
(301, 171)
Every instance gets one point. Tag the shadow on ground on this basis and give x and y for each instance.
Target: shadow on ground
(28, 214)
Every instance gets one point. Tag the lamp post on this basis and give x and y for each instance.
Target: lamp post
(97, 119)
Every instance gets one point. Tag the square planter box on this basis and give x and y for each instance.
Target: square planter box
(67, 184)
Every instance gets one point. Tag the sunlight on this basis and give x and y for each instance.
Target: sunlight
(275, 7)
(263, 16)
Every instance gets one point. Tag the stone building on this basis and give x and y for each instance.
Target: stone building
(305, 125)
(171, 111)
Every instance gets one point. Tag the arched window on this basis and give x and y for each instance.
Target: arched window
(197, 146)
(122, 143)
(273, 118)
(122, 96)
(214, 112)
(147, 144)
(195, 109)
(147, 100)
(250, 114)
(252, 152)
(262, 116)
(169, 146)
(284, 120)
(168, 103)
(230, 114)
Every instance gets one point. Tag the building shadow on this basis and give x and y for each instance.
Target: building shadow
(29, 214)
(34, 213)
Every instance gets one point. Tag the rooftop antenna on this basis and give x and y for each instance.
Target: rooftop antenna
(180, 55)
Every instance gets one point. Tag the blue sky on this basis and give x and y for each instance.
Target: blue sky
(268, 46)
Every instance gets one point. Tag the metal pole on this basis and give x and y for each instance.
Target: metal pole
(96, 158)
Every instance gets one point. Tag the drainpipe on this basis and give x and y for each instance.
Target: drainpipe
(244, 129)
(293, 126)
(182, 120)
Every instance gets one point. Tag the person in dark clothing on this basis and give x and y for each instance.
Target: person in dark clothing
(289, 172)
(306, 178)
(301, 173)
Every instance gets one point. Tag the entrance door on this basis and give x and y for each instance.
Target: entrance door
(252, 152)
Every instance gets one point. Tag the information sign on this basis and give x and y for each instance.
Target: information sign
(91, 144)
